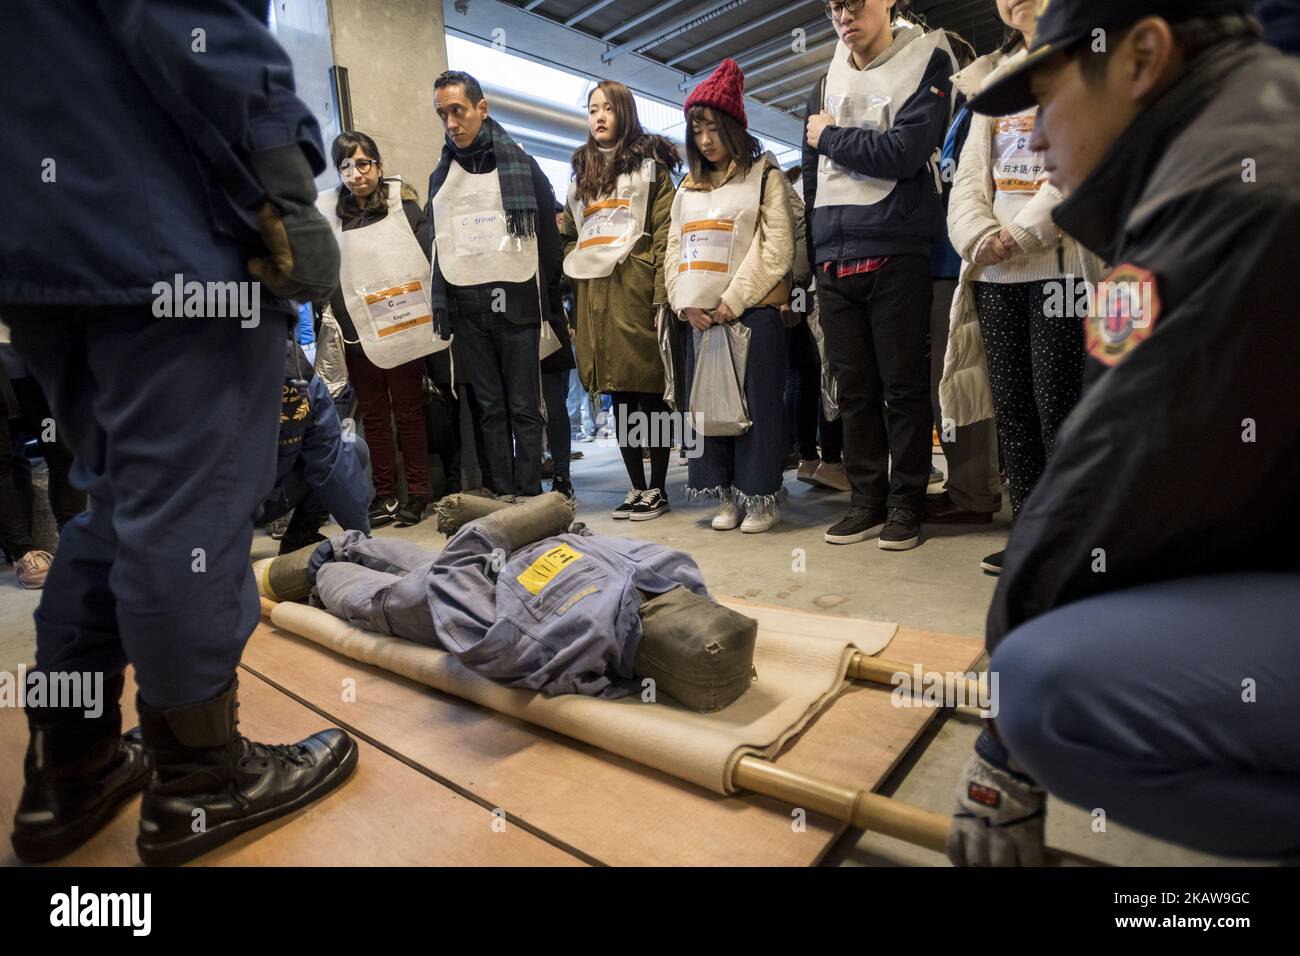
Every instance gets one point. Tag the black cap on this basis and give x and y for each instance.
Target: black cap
(1063, 22)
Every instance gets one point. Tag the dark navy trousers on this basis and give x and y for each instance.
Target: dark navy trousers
(173, 422)
(1174, 707)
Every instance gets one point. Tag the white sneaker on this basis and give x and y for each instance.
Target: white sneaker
(757, 522)
(728, 516)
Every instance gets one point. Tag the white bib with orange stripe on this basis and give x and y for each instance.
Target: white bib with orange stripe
(609, 227)
(384, 276)
(716, 227)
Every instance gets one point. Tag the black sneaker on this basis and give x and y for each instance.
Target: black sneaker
(651, 504)
(383, 511)
(856, 525)
(992, 564)
(564, 486)
(625, 509)
(902, 530)
(412, 512)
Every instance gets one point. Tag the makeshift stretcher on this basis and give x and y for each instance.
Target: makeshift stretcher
(804, 662)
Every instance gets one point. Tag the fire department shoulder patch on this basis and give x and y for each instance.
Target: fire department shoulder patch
(1125, 307)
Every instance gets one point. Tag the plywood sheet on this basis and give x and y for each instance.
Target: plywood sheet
(607, 808)
(387, 813)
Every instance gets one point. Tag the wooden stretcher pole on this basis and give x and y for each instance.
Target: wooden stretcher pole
(861, 808)
(880, 670)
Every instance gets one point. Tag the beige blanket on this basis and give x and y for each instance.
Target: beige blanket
(800, 659)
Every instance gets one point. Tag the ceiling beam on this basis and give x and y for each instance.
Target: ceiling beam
(730, 35)
(543, 40)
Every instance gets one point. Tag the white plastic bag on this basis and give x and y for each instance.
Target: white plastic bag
(718, 406)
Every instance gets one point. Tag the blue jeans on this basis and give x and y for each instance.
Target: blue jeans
(1172, 706)
(582, 419)
(749, 465)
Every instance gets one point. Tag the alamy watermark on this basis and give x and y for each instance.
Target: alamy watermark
(660, 430)
(1074, 298)
(946, 689)
(208, 300)
(79, 690)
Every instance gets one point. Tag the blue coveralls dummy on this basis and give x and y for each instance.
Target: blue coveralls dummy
(559, 615)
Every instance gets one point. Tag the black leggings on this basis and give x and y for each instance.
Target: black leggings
(1035, 374)
(648, 404)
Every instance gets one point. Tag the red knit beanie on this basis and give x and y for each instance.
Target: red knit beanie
(723, 90)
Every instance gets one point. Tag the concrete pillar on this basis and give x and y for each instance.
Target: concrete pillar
(393, 51)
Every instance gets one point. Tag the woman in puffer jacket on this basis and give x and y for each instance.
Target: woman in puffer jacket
(1015, 342)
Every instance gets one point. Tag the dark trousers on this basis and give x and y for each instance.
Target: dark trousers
(559, 437)
(749, 464)
(385, 396)
(877, 327)
(969, 451)
(652, 406)
(38, 421)
(15, 513)
(803, 400)
(1172, 706)
(1035, 374)
(173, 423)
(502, 362)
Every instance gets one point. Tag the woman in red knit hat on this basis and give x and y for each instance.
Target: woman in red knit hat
(729, 259)
(614, 232)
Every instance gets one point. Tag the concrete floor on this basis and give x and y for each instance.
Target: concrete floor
(937, 586)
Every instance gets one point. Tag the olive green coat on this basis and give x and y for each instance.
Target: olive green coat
(614, 317)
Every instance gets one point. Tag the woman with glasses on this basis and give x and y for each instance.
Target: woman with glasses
(384, 395)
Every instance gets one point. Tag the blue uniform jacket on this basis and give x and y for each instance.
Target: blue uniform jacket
(129, 124)
(909, 219)
(312, 451)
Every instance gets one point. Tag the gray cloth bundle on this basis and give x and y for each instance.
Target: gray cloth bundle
(697, 652)
(532, 520)
(454, 511)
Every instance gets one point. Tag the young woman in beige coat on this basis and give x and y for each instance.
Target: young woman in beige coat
(729, 259)
(1015, 344)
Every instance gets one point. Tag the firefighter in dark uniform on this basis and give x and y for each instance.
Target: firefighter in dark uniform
(1144, 629)
(164, 149)
(320, 468)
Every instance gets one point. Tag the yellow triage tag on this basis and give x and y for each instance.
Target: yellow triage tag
(547, 567)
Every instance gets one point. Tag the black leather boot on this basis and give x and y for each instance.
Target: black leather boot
(210, 783)
(78, 771)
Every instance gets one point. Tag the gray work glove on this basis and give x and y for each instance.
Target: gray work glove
(999, 817)
(303, 260)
